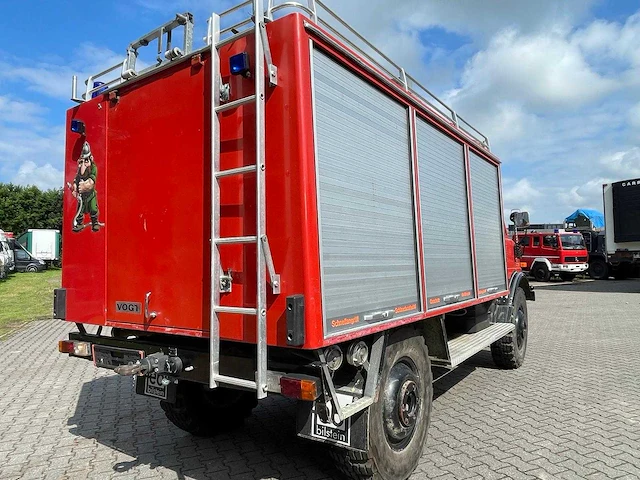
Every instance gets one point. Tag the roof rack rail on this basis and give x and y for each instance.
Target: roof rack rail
(235, 23)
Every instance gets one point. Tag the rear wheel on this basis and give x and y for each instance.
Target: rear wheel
(598, 269)
(203, 412)
(509, 351)
(567, 277)
(621, 273)
(399, 419)
(540, 272)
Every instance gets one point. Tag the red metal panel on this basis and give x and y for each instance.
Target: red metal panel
(155, 232)
(84, 250)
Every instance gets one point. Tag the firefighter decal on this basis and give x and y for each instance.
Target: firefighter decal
(84, 190)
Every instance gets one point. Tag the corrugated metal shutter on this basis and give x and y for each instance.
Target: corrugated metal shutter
(487, 225)
(445, 217)
(367, 222)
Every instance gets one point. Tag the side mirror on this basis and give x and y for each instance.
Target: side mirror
(519, 219)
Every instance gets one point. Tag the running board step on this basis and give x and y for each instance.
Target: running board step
(468, 344)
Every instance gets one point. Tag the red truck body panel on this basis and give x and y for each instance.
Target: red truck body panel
(153, 157)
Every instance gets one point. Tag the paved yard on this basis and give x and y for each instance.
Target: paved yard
(572, 410)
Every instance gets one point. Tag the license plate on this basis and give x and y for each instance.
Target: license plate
(153, 388)
(112, 357)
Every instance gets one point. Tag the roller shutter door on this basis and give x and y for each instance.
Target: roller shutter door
(367, 222)
(445, 217)
(489, 233)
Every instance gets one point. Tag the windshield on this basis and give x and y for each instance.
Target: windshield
(572, 242)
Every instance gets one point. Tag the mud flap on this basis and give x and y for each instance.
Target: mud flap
(352, 433)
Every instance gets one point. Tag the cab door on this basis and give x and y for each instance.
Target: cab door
(550, 248)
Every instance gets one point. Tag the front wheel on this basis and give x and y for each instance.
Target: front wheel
(399, 418)
(32, 269)
(509, 351)
(540, 272)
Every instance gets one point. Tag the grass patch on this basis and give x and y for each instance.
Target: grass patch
(25, 297)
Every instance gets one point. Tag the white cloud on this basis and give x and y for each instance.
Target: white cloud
(54, 78)
(611, 40)
(623, 165)
(519, 193)
(43, 177)
(19, 111)
(542, 72)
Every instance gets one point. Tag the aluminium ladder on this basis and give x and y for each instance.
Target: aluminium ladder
(263, 254)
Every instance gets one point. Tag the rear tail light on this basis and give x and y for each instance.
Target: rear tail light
(300, 388)
(79, 349)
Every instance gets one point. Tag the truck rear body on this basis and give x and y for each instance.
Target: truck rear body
(622, 227)
(379, 210)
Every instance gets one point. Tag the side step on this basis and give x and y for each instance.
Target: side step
(468, 344)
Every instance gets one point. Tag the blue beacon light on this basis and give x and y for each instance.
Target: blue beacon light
(77, 126)
(99, 91)
(240, 64)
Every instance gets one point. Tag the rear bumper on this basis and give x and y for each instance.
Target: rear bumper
(193, 352)
(569, 267)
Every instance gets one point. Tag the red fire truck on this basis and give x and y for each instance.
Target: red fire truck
(263, 216)
(553, 252)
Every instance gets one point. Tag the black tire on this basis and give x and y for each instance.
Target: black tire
(396, 436)
(31, 269)
(509, 351)
(540, 272)
(204, 413)
(621, 273)
(598, 269)
(568, 277)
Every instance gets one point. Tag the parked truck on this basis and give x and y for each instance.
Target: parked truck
(314, 178)
(42, 243)
(622, 228)
(547, 253)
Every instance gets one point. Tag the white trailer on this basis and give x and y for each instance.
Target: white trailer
(622, 226)
(43, 244)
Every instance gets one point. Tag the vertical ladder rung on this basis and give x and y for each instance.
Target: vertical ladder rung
(235, 240)
(236, 171)
(236, 103)
(237, 310)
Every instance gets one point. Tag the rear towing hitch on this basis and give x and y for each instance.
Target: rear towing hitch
(165, 367)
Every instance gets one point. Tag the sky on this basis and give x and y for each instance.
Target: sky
(555, 85)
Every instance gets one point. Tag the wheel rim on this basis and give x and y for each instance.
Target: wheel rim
(521, 328)
(402, 403)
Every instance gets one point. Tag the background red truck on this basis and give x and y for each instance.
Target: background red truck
(264, 215)
(553, 252)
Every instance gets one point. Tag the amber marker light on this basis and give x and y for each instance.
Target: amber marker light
(299, 388)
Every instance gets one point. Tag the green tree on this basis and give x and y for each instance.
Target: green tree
(23, 207)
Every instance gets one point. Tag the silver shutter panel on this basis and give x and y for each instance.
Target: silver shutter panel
(487, 222)
(445, 215)
(367, 223)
